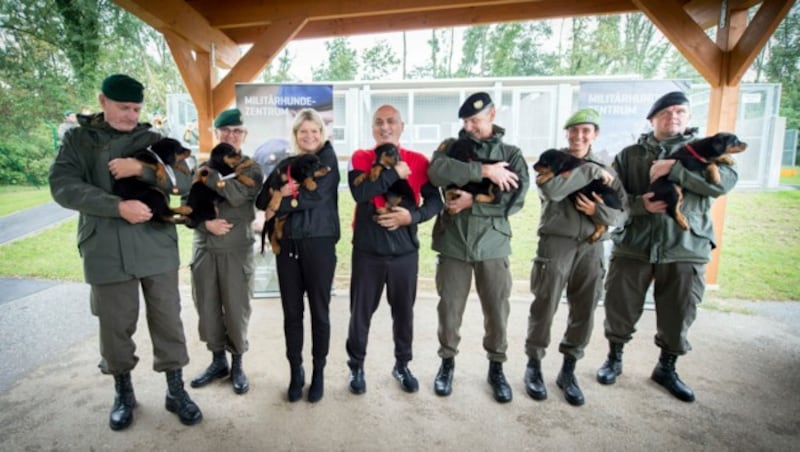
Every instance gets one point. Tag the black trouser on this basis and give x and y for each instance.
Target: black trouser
(306, 266)
(368, 276)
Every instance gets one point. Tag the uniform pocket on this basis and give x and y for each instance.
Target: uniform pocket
(538, 271)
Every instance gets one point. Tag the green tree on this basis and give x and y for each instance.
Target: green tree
(341, 65)
(378, 61)
(441, 57)
(474, 50)
(280, 72)
(784, 63)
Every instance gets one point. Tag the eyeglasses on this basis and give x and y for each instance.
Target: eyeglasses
(228, 131)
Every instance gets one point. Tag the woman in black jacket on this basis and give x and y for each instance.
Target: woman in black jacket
(307, 259)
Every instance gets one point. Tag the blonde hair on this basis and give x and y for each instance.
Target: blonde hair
(307, 114)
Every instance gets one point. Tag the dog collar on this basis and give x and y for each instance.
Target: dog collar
(695, 154)
(167, 168)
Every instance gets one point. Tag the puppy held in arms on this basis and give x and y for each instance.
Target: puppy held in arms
(399, 193)
(302, 169)
(704, 155)
(464, 150)
(203, 200)
(554, 163)
(162, 157)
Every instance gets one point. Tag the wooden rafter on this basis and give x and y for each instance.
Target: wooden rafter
(706, 13)
(686, 35)
(256, 59)
(761, 27)
(179, 18)
(446, 18)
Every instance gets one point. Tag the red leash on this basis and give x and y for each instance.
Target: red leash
(695, 154)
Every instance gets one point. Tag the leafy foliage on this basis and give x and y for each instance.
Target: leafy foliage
(342, 63)
(378, 61)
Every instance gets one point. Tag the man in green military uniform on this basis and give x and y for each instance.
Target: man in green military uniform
(476, 237)
(565, 258)
(651, 247)
(122, 251)
(222, 265)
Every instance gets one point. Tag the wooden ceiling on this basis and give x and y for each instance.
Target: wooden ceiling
(205, 35)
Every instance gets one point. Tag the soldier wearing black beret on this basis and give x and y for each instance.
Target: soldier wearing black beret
(123, 252)
(651, 247)
(474, 237)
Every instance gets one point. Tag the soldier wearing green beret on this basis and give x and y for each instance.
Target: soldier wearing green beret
(122, 251)
(565, 258)
(652, 248)
(223, 265)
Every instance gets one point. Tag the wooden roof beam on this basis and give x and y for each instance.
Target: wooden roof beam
(686, 35)
(259, 12)
(256, 59)
(755, 37)
(181, 19)
(438, 19)
(706, 12)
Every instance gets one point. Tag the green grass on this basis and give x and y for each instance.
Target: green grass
(790, 180)
(14, 198)
(760, 249)
(761, 246)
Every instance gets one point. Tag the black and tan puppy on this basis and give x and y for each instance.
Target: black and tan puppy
(303, 169)
(203, 200)
(162, 157)
(705, 154)
(553, 163)
(386, 156)
(463, 149)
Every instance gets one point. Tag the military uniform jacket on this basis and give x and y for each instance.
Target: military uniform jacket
(559, 215)
(483, 231)
(113, 250)
(658, 238)
(237, 208)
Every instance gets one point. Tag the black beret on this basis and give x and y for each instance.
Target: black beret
(122, 88)
(668, 100)
(474, 104)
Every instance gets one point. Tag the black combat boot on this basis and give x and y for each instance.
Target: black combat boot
(317, 388)
(178, 400)
(238, 378)
(443, 384)
(122, 412)
(217, 369)
(567, 382)
(358, 385)
(534, 385)
(497, 379)
(612, 367)
(665, 375)
(296, 382)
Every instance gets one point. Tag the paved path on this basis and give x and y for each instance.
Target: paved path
(26, 222)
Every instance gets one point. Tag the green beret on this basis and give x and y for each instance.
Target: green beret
(121, 88)
(68, 112)
(232, 117)
(668, 100)
(584, 116)
(474, 104)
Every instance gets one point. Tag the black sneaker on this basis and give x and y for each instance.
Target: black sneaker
(357, 383)
(407, 380)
